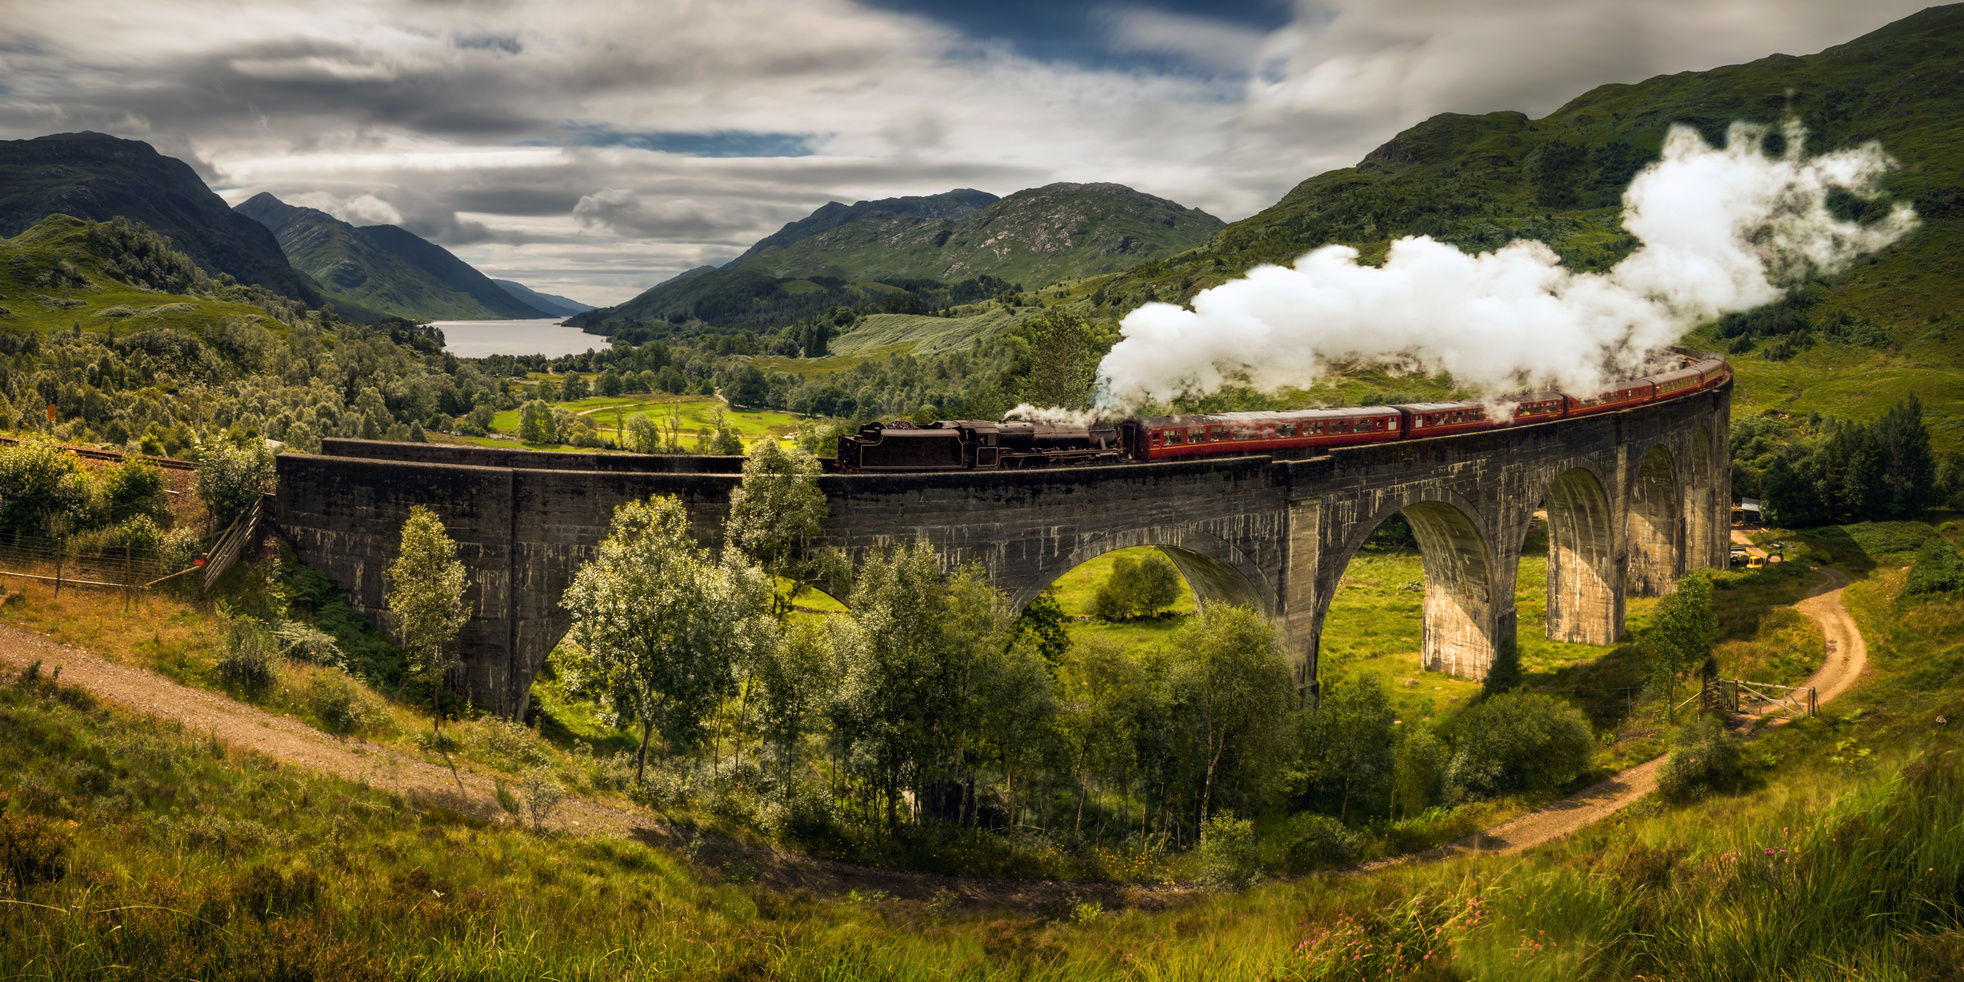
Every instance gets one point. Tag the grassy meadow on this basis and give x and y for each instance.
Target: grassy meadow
(136, 848)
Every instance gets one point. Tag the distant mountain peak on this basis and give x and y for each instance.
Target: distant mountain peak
(386, 268)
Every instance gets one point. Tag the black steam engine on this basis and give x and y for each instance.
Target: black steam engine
(967, 444)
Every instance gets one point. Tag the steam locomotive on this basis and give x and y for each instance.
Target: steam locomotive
(974, 444)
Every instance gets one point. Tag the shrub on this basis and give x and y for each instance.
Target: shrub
(1519, 741)
(340, 705)
(1938, 569)
(32, 850)
(536, 423)
(1704, 756)
(230, 479)
(298, 642)
(542, 794)
(1229, 857)
(135, 488)
(248, 659)
(1314, 841)
(179, 547)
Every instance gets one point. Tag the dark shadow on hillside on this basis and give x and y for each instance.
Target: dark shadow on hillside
(1605, 688)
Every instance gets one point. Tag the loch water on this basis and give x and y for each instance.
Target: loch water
(546, 336)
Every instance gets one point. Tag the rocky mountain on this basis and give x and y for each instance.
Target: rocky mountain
(97, 177)
(956, 204)
(955, 247)
(548, 303)
(384, 267)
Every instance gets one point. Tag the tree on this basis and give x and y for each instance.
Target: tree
(1346, 742)
(1681, 635)
(775, 514)
(792, 683)
(1041, 625)
(1015, 703)
(574, 389)
(644, 436)
(1055, 359)
(661, 624)
(426, 599)
(1099, 690)
(1419, 768)
(1909, 470)
(1229, 677)
(898, 680)
(231, 478)
(1137, 588)
(536, 423)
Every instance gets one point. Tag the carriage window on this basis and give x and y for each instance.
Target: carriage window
(1243, 431)
(1286, 429)
(1391, 424)
(1155, 438)
(1174, 437)
(1218, 433)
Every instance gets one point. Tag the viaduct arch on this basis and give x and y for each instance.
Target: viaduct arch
(1633, 498)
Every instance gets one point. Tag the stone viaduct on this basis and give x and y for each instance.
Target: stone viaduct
(1633, 498)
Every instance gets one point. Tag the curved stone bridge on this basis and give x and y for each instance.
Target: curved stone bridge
(1633, 499)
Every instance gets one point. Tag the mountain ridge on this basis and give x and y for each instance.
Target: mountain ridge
(856, 254)
(96, 177)
(384, 267)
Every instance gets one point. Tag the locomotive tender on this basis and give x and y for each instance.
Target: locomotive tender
(973, 444)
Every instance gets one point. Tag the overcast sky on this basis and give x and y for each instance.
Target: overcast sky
(592, 148)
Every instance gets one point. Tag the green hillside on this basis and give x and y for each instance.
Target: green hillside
(869, 255)
(1849, 346)
(382, 267)
(64, 271)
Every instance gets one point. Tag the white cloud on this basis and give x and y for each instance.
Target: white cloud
(435, 111)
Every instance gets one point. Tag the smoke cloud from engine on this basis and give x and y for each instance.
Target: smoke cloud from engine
(1721, 230)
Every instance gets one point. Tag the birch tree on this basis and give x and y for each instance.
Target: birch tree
(426, 600)
(662, 624)
(1229, 677)
(775, 514)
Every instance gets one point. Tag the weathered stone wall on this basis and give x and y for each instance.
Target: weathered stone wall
(1633, 498)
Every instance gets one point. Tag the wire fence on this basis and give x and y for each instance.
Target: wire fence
(63, 562)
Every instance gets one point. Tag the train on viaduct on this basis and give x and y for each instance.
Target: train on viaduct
(1633, 498)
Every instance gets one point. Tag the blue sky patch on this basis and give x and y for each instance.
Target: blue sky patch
(1077, 31)
(718, 143)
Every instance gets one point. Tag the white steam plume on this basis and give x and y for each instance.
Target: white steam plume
(1721, 231)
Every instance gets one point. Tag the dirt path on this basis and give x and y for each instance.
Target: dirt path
(461, 789)
(1847, 658)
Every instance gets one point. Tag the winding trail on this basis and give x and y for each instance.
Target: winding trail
(462, 789)
(1847, 657)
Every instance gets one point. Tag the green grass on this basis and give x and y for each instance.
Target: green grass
(189, 861)
(696, 412)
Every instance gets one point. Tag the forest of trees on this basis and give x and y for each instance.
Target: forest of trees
(1829, 470)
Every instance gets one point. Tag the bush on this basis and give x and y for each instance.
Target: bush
(132, 489)
(1314, 841)
(1520, 741)
(1229, 857)
(542, 794)
(1938, 569)
(1704, 756)
(230, 479)
(180, 546)
(32, 850)
(298, 642)
(248, 659)
(341, 706)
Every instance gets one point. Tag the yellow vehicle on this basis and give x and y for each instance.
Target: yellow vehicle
(1756, 562)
